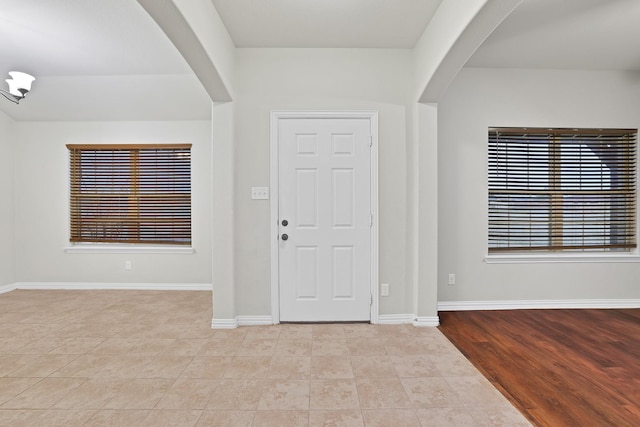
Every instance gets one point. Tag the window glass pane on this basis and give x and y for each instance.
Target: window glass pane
(584, 166)
(562, 189)
(105, 171)
(586, 220)
(519, 220)
(520, 164)
(131, 194)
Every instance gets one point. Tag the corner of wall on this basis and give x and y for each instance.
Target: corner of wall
(8, 135)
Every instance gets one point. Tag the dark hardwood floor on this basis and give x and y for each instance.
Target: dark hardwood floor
(558, 367)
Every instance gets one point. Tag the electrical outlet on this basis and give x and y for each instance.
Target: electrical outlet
(384, 290)
(452, 279)
(260, 193)
(127, 265)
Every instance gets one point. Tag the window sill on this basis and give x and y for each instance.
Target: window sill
(560, 258)
(128, 249)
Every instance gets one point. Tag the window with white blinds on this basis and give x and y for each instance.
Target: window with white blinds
(130, 193)
(562, 189)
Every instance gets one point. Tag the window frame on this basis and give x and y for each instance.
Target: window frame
(555, 252)
(149, 246)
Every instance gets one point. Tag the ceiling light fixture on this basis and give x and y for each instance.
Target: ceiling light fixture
(19, 86)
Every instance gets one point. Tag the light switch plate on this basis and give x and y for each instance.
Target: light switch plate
(384, 290)
(260, 193)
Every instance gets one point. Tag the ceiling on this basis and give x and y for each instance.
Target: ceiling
(95, 60)
(108, 60)
(326, 23)
(84, 37)
(566, 34)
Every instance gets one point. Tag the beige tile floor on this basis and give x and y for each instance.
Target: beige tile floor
(150, 358)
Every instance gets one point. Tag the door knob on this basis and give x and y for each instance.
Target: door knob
(285, 222)
(285, 237)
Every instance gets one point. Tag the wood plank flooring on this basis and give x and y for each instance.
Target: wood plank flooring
(558, 367)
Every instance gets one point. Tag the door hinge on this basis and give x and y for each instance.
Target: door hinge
(370, 300)
(370, 141)
(370, 220)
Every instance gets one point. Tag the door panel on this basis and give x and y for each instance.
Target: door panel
(343, 272)
(307, 198)
(325, 196)
(307, 272)
(343, 198)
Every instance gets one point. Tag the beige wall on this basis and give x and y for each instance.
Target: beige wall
(480, 98)
(41, 187)
(319, 79)
(7, 144)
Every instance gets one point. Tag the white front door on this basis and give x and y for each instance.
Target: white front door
(325, 220)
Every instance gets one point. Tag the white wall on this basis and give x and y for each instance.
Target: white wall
(426, 292)
(42, 214)
(449, 22)
(480, 98)
(319, 79)
(223, 200)
(205, 22)
(7, 142)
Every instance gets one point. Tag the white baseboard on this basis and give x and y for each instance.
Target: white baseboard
(537, 304)
(383, 319)
(7, 288)
(241, 321)
(400, 319)
(224, 323)
(115, 286)
(426, 321)
(395, 319)
(254, 320)
(411, 319)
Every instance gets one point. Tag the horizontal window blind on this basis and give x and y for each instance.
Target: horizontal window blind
(130, 193)
(562, 189)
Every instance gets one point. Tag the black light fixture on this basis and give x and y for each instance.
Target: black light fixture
(19, 86)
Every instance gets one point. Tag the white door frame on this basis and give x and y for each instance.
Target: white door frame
(372, 116)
